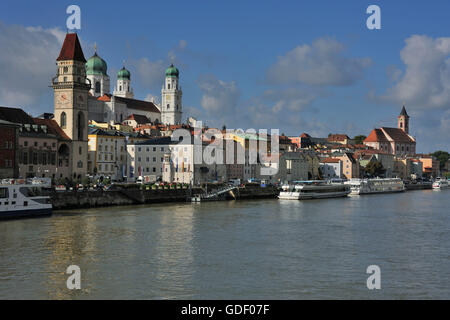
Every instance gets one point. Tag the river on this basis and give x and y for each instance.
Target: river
(259, 249)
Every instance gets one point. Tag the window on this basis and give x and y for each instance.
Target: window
(25, 203)
(65, 69)
(63, 120)
(168, 106)
(154, 149)
(97, 87)
(80, 125)
(80, 150)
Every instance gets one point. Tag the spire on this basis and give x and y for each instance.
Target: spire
(403, 112)
(71, 49)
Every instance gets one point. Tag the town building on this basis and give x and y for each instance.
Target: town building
(9, 136)
(396, 141)
(331, 168)
(350, 167)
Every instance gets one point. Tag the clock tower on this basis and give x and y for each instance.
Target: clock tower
(71, 89)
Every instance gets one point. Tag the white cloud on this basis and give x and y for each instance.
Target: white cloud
(150, 73)
(27, 62)
(426, 80)
(219, 98)
(320, 64)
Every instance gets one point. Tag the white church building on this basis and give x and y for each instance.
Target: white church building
(118, 106)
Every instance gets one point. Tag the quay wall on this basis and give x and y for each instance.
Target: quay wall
(100, 198)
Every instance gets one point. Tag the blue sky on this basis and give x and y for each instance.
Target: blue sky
(300, 66)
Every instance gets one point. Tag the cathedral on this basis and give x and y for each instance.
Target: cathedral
(82, 93)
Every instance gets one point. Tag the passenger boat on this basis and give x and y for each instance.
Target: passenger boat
(378, 185)
(306, 190)
(441, 184)
(19, 200)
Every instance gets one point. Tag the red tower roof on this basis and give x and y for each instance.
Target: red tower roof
(71, 49)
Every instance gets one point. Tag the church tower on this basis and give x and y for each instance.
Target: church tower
(123, 88)
(96, 71)
(171, 107)
(403, 120)
(71, 102)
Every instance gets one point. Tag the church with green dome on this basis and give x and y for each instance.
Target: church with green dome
(97, 73)
(119, 105)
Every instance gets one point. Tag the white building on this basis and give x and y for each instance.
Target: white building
(331, 168)
(115, 108)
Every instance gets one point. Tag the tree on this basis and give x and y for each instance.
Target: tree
(374, 169)
(359, 139)
(442, 156)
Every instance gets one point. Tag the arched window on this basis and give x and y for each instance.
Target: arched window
(80, 125)
(97, 87)
(63, 120)
(168, 106)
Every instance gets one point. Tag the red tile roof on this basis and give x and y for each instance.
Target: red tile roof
(330, 160)
(53, 127)
(305, 135)
(377, 135)
(337, 137)
(105, 97)
(71, 49)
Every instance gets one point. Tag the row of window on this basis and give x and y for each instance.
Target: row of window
(43, 158)
(36, 144)
(147, 159)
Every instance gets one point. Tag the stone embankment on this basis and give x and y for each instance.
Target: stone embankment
(134, 196)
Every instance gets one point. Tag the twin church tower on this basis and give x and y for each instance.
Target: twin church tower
(82, 93)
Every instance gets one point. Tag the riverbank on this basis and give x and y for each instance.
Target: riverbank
(132, 196)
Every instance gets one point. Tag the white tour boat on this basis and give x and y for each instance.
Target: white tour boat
(306, 190)
(441, 184)
(378, 185)
(23, 200)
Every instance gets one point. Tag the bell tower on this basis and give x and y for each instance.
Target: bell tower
(403, 120)
(71, 89)
(171, 107)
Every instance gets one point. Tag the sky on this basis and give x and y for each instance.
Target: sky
(297, 66)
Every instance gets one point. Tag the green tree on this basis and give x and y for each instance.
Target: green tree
(442, 156)
(374, 169)
(359, 139)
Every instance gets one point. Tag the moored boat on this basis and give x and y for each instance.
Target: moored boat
(23, 200)
(306, 190)
(441, 184)
(378, 185)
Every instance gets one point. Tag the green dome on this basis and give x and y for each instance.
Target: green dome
(172, 71)
(123, 74)
(96, 66)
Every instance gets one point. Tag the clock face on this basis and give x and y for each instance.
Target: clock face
(63, 99)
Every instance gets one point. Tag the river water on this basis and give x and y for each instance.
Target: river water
(262, 249)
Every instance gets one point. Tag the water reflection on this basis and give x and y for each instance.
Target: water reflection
(238, 249)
